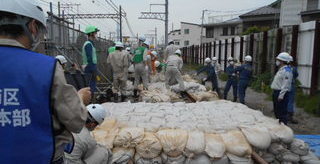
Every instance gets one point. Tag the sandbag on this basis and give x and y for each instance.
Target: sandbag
(150, 147)
(258, 137)
(196, 142)
(129, 137)
(172, 160)
(288, 156)
(215, 146)
(268, 157)
(154, 96)
(236, 143)
(122, 155)
(199, 159)
(173, 141)
(239, 160)
(310, 158)
(106, 132)
(276, 148)
(99, 155)
(139, 160)
(299, 147)
(281, 133)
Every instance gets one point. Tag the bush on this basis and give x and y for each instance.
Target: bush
(223, 76)
(311, 104)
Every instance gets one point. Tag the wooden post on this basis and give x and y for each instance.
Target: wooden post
(225, 54)
(316, 58)
(294, 43)
(220, 51)
(232, 47)
(241, 49)
(264, 52)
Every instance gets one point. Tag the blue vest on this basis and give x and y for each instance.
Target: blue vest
(26, 130)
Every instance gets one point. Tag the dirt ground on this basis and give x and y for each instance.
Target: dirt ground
(308, 124)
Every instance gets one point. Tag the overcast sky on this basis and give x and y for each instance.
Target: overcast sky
(179, 11)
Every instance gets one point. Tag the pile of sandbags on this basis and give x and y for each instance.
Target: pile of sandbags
(207, 132)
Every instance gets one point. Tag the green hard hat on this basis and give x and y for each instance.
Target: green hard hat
(91, 29)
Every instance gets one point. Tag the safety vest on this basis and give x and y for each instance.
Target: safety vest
(138, 54)
(84, 54)
(26, 129)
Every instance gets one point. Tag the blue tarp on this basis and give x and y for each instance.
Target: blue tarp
(313, 141)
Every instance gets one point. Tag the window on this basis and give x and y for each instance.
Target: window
(186, 31)
(177, 43)
(186, 43)
(225, 31)
(210, 33)
(233, 31)
(312, 4)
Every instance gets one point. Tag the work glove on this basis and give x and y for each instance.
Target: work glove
(85, 95)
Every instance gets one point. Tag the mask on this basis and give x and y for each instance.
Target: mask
(231, 63)
(214, 62)
(278, 63)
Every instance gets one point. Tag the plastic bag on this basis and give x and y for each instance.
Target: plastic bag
(215, 147)
(310, 158)
(281, 132)
(173, 160)
(129, 137)
(288, 156)
(196, 142)
(173, 141)
(139, 160)
(236, 143)
(106, 132)
(299, 147)
(149, 147)
(258, 137)
(122, 155)
(239, 160)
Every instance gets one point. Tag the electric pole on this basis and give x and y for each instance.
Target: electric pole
(201, 34)
(120, 22)
(166, 22)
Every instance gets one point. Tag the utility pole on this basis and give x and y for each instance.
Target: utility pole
(120, 22)
(201, 34)
(156, 38)
(166, 22)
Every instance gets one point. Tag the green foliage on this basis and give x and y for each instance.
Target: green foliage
(311, 104)
(255, 29)
(223, 76)
(194, 67)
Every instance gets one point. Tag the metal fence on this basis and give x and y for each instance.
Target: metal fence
(301, 41)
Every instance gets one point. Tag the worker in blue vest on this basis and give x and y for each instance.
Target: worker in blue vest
(211, 75)
(245, 74)
(38, 109)
(281, 86)
(89, 56)
(232, 80)
(292, 94)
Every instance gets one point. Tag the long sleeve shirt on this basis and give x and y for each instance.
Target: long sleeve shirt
(282, 81)
(245, 71)
(89, 52)
(210, 70)
(175, 61)
(231, 72)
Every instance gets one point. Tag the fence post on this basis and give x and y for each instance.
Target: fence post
(210, 50)
(315, 60)
(220, 51)
(264, 52)
(214, 48)
(232, 47)
(241, 48)
(225, 54)
(294, 43)
(251, 44)
(203, 52)
(279, 41)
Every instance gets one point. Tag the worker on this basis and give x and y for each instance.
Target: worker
(89, 56)
(119, 63)
(38, 109)
(154, 58)
(281, 86)
(232, 80)
(85, 148)
(62, 60)
(216, 65)
(245, 74)
(292, 94)
(211, 75)
(161, 67)
(140, 67)
(170, 50)
(111, 49)
(173, 72)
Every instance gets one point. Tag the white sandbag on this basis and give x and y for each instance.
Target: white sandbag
(205, 96)
(122, 155)
(288, 156)
(129, 137)
(154, 96)
(299, 147)
(268, 157)
(106, 132)
(276, 148)
(139, 160)
(172, 160)
(215, 146)
(236, 143)
(199, 159)
(258, 137)
(310, 158)
(99, 155)
(150, 147)
(239, 160)
(223, 160)
(196, 142)
(173, 141)
(281, 132)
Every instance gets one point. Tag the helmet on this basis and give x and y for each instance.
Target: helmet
(146, 43)
(142, 39)
(284, 56)
(178, 52)
(230, 58)
(98, 112)
(248, 58)
(61, 59)
(170, 41)
(148, 57)
(207, 60)
(90, 29)
(154, 53)
(291, 58)
(119, 44)
(152, 46)
(128, 49)
(27, 8)
(214, 59)
(157, 63)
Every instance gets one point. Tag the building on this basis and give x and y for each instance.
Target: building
(188, 34)
(266, 16)
(223, 30)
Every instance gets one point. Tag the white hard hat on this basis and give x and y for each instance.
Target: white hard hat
(214, 59)
(154, 53)
(98, 112)
(146, 43)
(207, 60)
(27, 8)
(142, 38)
(178, 52)
(171, 41)
(61, 59)
(157, 63)
(230, 58)
(291, 58)
(128, 49)
(284, 56)
(119, 44)
(248, 58)
(148, 57)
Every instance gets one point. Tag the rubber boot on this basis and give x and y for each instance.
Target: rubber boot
(115, 97)
(291, 119)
